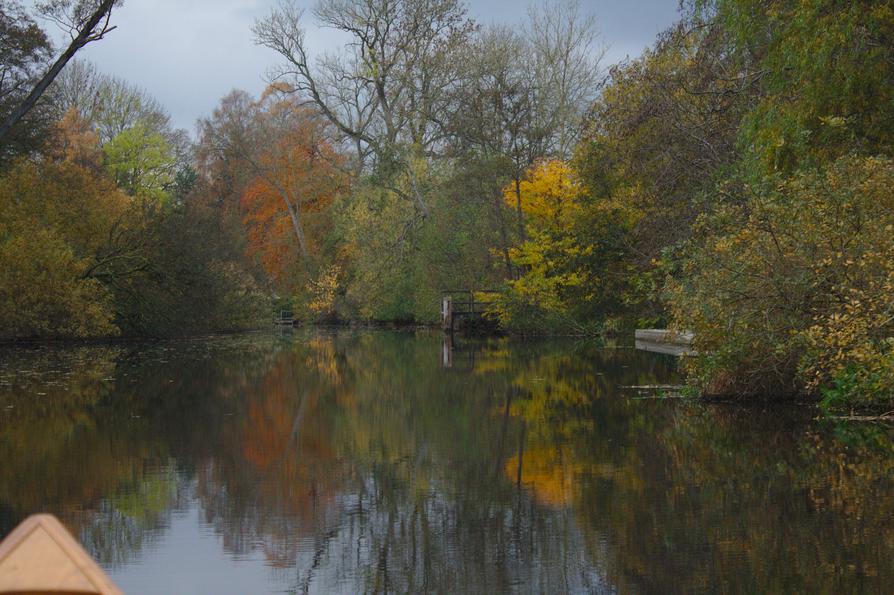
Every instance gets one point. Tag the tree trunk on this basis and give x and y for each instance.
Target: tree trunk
(299, 231)
(504, 236)
(417, 195)
(518, 206)
(85, 36)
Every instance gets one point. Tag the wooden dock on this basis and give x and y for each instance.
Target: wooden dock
(678, 343)
(460, 310)
(284, 318)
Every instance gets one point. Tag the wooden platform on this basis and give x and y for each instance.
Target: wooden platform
(284, 318)
(665, 341)
(461, 309)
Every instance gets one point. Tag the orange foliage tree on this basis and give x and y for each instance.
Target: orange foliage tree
(297, 171)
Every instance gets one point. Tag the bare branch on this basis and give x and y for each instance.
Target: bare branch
(91, 21)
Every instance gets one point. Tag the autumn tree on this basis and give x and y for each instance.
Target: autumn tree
(297, 173)
(573, 262)
(57, 219)
(280, 158)
(801, 278)
(75, 141)
(440, 113)
(108, 233)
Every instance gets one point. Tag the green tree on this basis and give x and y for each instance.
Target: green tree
(826, 70)
(141, 162)
(784, 284)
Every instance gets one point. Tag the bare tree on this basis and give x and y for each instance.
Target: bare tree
(418, 80)
(495, 113)
(110, 104)
(388, 87)
(524, 93)
(565, 56)
(78, 86)
(85, 21)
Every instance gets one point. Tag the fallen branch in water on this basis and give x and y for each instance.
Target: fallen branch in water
(667, 391)
(889, 416)
(653, 387)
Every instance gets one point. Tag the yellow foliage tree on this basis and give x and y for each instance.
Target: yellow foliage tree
(549, 195)
(572, 258)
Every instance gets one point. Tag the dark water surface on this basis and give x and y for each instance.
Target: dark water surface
(370, 461)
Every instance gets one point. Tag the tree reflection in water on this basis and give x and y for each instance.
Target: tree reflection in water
(356, 461)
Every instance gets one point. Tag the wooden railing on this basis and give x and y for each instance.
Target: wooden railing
(284, 318)
(461, 304)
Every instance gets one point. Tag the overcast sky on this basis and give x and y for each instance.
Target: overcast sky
(190, 53)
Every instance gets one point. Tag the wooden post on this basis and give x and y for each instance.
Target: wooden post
(447, 351)
(447, 314)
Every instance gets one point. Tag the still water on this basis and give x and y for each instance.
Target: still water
(358, 462)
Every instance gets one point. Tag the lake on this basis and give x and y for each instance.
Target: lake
(373, 461)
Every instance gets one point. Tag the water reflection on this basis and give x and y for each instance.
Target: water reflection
(360, 462)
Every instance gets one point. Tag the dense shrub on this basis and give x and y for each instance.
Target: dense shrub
(79, 258)
(790, 291)
(53, 220)
(43, 292)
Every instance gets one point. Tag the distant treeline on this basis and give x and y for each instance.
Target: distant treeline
(735, 180)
